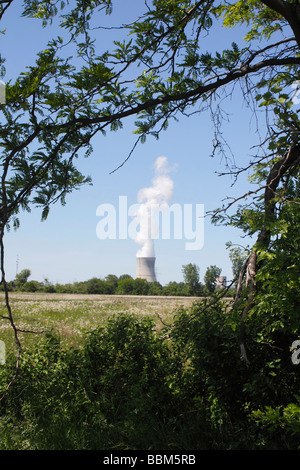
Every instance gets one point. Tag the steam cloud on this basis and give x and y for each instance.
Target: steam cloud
(151, 200)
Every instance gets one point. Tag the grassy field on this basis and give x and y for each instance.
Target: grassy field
(71, 315)
(125, 388)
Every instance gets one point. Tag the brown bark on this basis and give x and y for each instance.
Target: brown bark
(290, 11)
(282, 167)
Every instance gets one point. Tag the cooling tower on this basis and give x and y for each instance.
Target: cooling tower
(145, 268)
(221, 281)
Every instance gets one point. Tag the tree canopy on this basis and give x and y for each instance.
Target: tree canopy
(210, 277)
(191, 276)
(162, 68)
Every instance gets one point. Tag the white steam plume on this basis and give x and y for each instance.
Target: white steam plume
(152, 199)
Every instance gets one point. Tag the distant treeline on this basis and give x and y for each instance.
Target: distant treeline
(124, 285)
(111, 284)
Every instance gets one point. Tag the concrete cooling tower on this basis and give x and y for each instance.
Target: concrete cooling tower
(145, 268)
(221, 281)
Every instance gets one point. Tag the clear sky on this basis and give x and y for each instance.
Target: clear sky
(65, 248)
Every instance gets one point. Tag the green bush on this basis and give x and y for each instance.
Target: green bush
(216, 376)
(280, 424)
(120, 390)
(129, 387)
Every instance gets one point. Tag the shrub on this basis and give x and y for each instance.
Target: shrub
(231, 392)
(129, 387)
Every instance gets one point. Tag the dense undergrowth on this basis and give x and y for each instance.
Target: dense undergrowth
(129, 387)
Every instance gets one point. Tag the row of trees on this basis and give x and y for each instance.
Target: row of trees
(125, 284)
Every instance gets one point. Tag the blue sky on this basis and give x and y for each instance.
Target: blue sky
(65, 247)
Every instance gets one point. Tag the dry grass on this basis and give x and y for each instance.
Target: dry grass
(71, 315)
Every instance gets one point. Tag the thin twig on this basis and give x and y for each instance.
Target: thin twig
(10, 316)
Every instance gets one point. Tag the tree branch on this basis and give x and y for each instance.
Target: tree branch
(279, 169)
(195, 93)
(291, 12)
(10, 316)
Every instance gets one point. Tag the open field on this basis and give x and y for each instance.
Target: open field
(70, 315)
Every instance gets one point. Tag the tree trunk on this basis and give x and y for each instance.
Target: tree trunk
(282, 167)
(290, 11)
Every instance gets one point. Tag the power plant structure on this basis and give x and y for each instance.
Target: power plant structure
(145, 268)
(221, 281)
